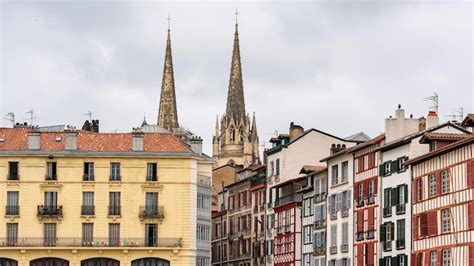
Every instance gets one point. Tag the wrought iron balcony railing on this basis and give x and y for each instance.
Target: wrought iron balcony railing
(387, 211)
(50, 211)
(96, 242)
(400, 243)
(400, 209)
(87, 210)
(288, 198)
(12, 210)
(114, 210)
(150, 211)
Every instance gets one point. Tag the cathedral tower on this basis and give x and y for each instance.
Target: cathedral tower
(236, 140)
(168, 114)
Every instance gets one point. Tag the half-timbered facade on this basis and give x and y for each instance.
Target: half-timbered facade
(257, 190)
(443, 204)
(320, 210)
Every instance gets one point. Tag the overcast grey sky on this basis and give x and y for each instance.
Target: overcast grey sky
(339, 66)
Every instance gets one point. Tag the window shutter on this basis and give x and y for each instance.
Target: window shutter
(381, 262)
(348, 199)
(415, 227)
(381, 169)
(394, 261)
(470, 173)
(432, 223)
(394, 167)
(360, 255)
(414, 191)
(383, 232)
(371, 219)
(245, 198)
(423, 224)
(370, 255)
(356, 192)
(395, 197)
(360, 221)
(366, 189)
(438, 183)
(427, 258)
(392, 236)
(470, 215)
(386, 198)
(471, 255)
(406, 193)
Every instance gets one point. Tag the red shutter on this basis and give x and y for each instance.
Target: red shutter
(250, 197)
(438, 183)
(356, 191)
(432, 223)
(255, 198)
(366, 189)
(245, 198)
(427, 258)
(440, 257)
(238, 199)
(360, 221)
(470, 215)
(371, 219)
(415, 227)
(423, 224)
(360, 255)
(414, 191)
(471, 255)
(413, 259)
(376, 182)
(470, 174)
(370, 253)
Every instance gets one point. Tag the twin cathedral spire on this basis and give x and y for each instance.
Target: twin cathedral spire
(235, 140)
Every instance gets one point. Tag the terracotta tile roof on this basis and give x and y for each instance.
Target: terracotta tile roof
(466, 141)
(442, 136)
(311, 168)
(16, 139)
(13, 139)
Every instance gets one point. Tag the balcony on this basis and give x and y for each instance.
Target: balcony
(400, 243)
(370, 234)
(387, 212)
(318, 251)
(45, 211)
(87, 210)
(96, 242)
(333, 215)
(345, 213)
(370, 200)
(152, 212)
(288, 199)
(262, 207)
(359, 203)
(51, 177)
(387, 245)
(12, 210)
(344, 248)
(318, 224)
(319, 197)
(400, 209)
(114, 210)
(360, 236)
(13, 177)
(255, 209)
(87, 177)
(333, 250)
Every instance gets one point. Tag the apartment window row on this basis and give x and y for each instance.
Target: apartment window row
(344, 245)
(365, 192)
(320, 188)
(426, 224)
(439, 257)
(394, 166)
(399, 260)
(243, 199)
(274, 168)
(203, 201)
(341, 178)
(308, 207)
(340, 262)
(340, 202)
(436, 184)
(88, 173)
(387, 235)
(203, 232)
(285, 220)
(396, 196)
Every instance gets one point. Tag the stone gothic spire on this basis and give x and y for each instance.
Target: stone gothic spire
(235, 96)
(168, 114)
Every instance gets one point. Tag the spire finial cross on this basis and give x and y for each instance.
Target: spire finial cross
(236, 16)
(169, 21)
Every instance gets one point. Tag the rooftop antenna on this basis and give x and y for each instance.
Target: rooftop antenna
(169, 20)
(89, 114)
(32, 116)
(434, 100)
(236, 16)
(457, 115)
(10, 117)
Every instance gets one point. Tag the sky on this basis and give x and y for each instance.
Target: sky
(338, 66)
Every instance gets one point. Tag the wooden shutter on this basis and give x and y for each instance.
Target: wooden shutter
(438, 183)
(245, 198)
(381, 169)
(423, 224)
(415, 228)
(414, 191)
(360, 221)
(432, 218)
(471, 255)
(356, 192)
(395, 198)
(427, 258)
(406, 193)
(470, 173)
(470, 215)
(238, 199)
(370, 255)
(360, 255)
(394, 166)
(366, 189)
(371, 219)
(383, 232)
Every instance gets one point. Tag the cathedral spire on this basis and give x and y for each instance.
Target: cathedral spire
(168, 114)
(235, 95)
(254, 128)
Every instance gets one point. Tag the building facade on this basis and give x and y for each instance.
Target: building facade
(258, 185)
(320, 217)
(85, 198)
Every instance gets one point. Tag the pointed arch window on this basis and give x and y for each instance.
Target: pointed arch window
(232, 134)
(241, 134)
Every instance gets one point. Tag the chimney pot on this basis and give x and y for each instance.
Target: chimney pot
(138, 141)
(34, 140)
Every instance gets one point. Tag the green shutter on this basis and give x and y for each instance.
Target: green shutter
(382, 261)
(394, 261)
(406, 193)
(383, 232)
(386, 198)
(381, 166)
(395, 198)
(392, 226)
(394, 167)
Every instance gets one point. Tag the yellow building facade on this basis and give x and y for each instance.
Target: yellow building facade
(87, 198)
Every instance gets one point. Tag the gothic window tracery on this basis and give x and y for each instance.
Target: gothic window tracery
(232, 134)
(241, 134)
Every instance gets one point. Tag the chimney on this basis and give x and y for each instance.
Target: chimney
(138, 141)
(34, 140)
(95, 126)
(400, 112)
(432, 120)
(196, 145)
(295, 131)
(87, 126)
(400, 126)
(337, 148)
(71, 139)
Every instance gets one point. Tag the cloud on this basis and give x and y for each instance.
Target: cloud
(337, 66)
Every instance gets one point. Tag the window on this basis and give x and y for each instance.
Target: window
(371, 189)
(203, 232)
(389, 231)
(401, 194)
(446, 220)
(114, 234)
(232, 134)
(445, 181)
(308, 234)
(333, 235)
(202, 261)
(308, 207)
(271, 169)
(400, 162)
(361, 191)
(387, 168)
(88, 172)
(12, 234)
(332, 205)
(13, 207)
(203, 202)
(49, 234)
(51, 173)
(345, 233)
(241, 134)
(433, 258)
(87, 203)
(446, 257)
(115, 172)
(151, 172)
(151, 203)
(419, 189)
(50, 200)
(432, 184)
(114, 203)
(277, 167)
(334, 172)
(345, 171)
(87, 234)
(360, 164)
(13, 171)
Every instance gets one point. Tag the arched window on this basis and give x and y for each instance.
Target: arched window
(150, 262)
(232, 134)
(241, 134)
(8, 262)
(100, 262)
(49, 262)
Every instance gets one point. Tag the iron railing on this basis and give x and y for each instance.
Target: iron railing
(400, 209)
(400, 243)
(114, 210)
(87, 210)
(12, 210)
(387, 211)
(96, 242)
(150, 211)
(50, 211)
